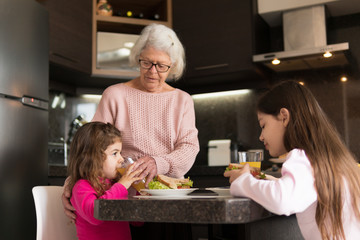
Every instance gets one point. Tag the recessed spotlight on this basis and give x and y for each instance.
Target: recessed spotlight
(327, 54)
(129, 44)
(343, 79)
(301, 83)
(275, 61)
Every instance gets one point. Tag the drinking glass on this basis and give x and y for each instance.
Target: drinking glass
(253, 157)
(138, 185)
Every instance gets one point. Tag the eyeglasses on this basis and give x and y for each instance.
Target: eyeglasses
(161, 68)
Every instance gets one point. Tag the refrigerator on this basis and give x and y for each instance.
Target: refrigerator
(24, 68)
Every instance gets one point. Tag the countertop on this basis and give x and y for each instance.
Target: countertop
(216, 210)
(57, 170)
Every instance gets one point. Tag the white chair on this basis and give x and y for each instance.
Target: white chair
(52, 223)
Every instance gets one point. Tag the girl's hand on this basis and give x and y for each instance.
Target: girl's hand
(148, 168)
(68, 208)
(234, 174)
(130, 176)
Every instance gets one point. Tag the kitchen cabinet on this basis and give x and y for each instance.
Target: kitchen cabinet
(74, 26)
(220, 37)
(151, 11)
(70, 33)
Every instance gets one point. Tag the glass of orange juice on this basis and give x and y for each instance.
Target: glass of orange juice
(127, 162)
(253, 157)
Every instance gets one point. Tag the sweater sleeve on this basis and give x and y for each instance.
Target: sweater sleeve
(292, 193)
(106, 110)
(179, 161)
(84, 196)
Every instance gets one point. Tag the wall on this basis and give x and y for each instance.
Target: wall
(234, 117)
(227, 117)
(339, 101)
(61, 116)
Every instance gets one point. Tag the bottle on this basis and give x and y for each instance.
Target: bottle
(156, 17)
(127, 162)
(138, 15)
(74, 126)
(103, 8)
(129, 14)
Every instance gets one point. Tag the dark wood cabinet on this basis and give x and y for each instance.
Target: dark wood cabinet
(219, 38)
(70, 33)
(74, 26)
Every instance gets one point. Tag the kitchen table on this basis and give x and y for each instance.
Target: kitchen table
(195, 209)
(209, 210)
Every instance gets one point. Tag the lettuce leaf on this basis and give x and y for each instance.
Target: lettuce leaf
(154, 184)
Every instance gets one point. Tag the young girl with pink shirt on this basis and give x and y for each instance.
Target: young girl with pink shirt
(95, 155)
(320, 180)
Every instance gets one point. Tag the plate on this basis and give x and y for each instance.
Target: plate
(168, 192)
(221, 191)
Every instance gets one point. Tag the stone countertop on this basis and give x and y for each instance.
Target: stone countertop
(57, 170)
(216, 210)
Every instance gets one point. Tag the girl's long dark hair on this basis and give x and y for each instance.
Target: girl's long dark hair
(87, 153)
(310, 129)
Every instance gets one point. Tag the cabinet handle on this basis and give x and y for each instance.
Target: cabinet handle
(64, 57)
(212, 66)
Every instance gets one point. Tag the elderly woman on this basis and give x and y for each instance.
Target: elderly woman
(157, 121)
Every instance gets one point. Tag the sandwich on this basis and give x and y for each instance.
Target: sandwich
(253, 170)
(165, 182)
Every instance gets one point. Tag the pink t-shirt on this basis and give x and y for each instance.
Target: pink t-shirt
(294, 193)
(160, 125)
(90, 228)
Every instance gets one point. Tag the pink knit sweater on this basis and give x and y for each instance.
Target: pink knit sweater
(160, 125)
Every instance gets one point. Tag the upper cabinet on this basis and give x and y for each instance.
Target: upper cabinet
(70, 33)
(75, 28)
(220, 38)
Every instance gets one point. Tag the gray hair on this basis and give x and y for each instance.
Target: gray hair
(164, 39)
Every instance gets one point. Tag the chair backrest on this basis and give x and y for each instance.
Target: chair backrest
(52, 223)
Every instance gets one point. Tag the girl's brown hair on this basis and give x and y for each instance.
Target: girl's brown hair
(87, 153)
(333, 165)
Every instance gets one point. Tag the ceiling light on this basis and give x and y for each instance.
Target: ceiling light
(327, 54)
(343, 79)
(220, 94)
(55, 101)
(129, 44)
(275, 61)
(91, 96)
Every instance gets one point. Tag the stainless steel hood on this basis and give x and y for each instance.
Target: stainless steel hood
(305, 43)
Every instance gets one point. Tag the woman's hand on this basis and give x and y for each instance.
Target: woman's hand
(148, 168)
(234, 174)
(130, 176)
(68, 208)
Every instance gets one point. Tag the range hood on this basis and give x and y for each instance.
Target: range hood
(305, 43)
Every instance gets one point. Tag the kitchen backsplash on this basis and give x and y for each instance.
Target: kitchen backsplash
(233, 116)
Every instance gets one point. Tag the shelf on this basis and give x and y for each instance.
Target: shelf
(127, 25)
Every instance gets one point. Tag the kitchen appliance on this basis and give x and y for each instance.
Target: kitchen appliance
(305, 40)
(78, 122)
(23, 114)
(222, 152)
(113, 50)
(57, 153)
